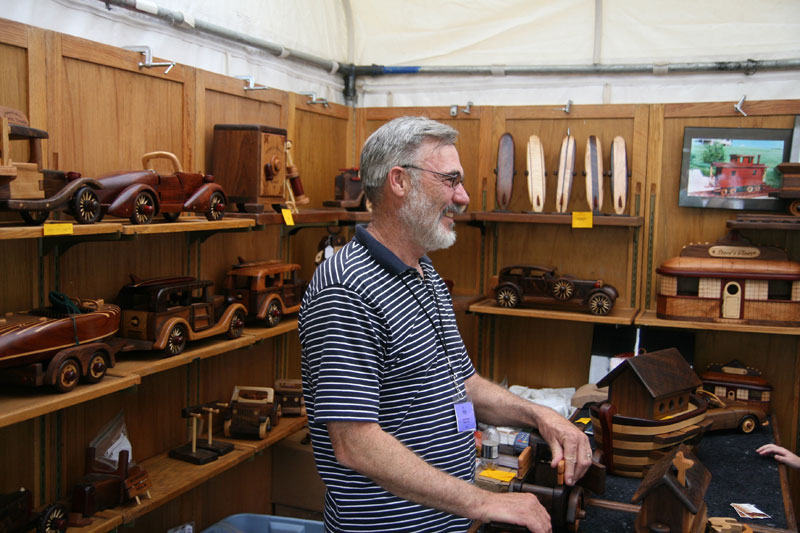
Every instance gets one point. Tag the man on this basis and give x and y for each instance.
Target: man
(391, 394)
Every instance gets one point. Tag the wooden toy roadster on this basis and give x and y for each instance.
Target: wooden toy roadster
(269, 289)
(59, 344)
(165, 313)
(26, 187)
(139, 195)
(542, 286)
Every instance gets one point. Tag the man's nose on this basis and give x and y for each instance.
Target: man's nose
(461, 196)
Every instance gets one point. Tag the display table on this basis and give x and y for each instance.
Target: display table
(738, 475)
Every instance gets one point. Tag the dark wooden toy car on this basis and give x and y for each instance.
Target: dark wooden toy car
(31, 190)
(251, 413)
(542, 286)
(732, 414)
(59, 344)
(165, 313)
(269, 289)
(289, 394)
(139, 195)
(101, 487)
(348, 192)
(16, 514)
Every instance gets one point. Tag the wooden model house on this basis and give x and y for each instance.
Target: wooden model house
(735, 381)
(651, 409)
(731, 281)
(671, 494)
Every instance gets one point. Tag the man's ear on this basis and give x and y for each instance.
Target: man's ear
(399, 182)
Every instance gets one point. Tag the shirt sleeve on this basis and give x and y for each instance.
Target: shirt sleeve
(343, 353)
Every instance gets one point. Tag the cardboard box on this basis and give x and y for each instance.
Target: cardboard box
(295, 481)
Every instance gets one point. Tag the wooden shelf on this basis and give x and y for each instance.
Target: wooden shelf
(649, 318)
(22, 403)
(102, 521)
(617, 316)
(17, 230)
(170, 477)
(186, 224)
(144, 363)
(286, 426)
(779, 222)
(462, 302)
(555, 218)
(284, 326)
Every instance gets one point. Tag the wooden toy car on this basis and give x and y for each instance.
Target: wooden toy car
(269, 289)
(16, 514)
(729, 414)
(139, 195)
(102, 487)
(251, 413)
(542, 286)
(347, 191)
(30, 189)
(290, 396)
(59, 344)
(165, 313)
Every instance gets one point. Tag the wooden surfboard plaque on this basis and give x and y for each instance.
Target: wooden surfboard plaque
(505, 171)
(536, 174)
(566, 168)
(594, 174)
(619, 174)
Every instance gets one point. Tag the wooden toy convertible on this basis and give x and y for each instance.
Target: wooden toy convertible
(59, 344)
(541, 286)
(139, 195)
(29, 189)
(164, 313)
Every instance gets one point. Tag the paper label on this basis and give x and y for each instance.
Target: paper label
(500, 475)
(58, 228)
(581, 219)
(287, 217)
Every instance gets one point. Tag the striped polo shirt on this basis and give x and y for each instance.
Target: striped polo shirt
(373, 335)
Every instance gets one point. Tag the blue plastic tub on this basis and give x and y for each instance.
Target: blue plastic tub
(264, 523)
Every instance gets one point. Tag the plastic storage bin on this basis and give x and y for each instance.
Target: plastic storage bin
(263, 523)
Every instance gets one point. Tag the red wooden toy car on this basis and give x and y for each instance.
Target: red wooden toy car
(541, 286)
(269, 289)
(164, 313)
(139, 195)
(59, 344)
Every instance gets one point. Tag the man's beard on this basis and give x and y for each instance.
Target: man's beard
(419, 215)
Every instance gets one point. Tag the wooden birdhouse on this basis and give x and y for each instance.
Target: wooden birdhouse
(651, 385)
(671, 495)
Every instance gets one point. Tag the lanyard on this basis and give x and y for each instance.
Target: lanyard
(439, 334)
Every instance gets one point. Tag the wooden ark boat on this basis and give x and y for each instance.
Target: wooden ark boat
(651, 409)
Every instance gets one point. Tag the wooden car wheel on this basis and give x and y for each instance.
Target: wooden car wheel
(176, 340)
(97, 367)
(236, 325)
(86, 206)
(273, 313)
(171, 217)
(794, 208)
(67, 375)
(33, 217)
(144, 207)
(748, 424)
(507, 297)
(563, 289)
(216, 207)
(600, 304)
(53, 519)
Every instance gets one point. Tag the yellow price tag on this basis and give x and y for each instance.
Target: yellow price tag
(583, 420)
(581, 219)
(287, 217)
(500, 475)
(58, 228)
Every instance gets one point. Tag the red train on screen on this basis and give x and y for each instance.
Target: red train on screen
(739, 175)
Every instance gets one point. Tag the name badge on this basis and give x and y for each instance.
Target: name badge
(465, 415)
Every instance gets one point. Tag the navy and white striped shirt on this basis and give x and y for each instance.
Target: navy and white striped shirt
(373, 333)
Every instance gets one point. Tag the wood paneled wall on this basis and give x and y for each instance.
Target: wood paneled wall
(102, 113)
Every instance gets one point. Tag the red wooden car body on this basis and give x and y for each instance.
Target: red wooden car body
(139, 195)
(49, 346)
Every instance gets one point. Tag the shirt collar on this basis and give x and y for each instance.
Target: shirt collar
(382, 254)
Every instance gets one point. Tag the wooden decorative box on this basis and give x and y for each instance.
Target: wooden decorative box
(250, 164)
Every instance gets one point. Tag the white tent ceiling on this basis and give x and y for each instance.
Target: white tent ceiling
(447, 33)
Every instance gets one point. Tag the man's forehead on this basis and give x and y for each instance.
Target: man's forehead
(437, 152)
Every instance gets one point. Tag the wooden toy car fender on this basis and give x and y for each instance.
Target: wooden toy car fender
(123, 205)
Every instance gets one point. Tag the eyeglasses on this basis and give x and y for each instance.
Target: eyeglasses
(454, 179)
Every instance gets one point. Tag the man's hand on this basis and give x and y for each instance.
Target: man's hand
(517, 508)
(566, 442)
